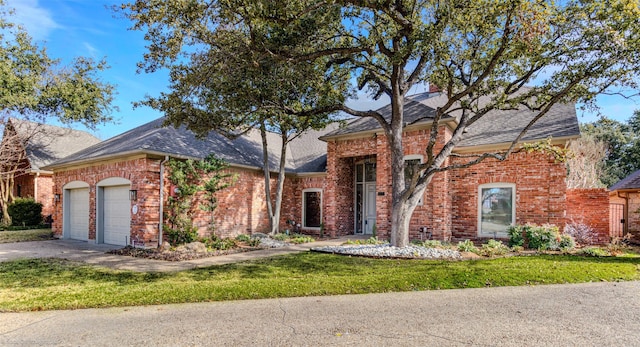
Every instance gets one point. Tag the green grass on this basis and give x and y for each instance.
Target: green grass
(46, 284)
(7, 236)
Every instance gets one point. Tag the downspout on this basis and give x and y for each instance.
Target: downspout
(161, 217)
(625, 213)
(35, 187)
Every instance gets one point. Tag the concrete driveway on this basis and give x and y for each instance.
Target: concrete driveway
(590, 314)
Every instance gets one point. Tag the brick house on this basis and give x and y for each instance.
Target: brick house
(337, 180)
(37, 145)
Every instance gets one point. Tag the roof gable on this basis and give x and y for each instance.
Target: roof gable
(46, 143)
(630, 182)
(498, 126)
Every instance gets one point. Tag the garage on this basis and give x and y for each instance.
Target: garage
(116, 217)
(78, 214)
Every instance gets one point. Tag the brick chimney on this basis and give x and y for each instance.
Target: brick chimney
(433, 88)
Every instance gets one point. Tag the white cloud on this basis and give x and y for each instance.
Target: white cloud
(93, 52)
(37, 20)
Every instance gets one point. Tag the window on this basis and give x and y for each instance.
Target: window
(497, 208)
(410, 162)
(311, 208)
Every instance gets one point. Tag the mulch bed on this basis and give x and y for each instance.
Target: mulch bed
(175, 255)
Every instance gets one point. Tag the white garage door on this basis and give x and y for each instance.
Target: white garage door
(117, 218)
(79, 214)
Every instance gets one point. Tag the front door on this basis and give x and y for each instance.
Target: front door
(365, 198)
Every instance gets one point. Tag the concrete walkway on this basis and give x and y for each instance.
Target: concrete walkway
(95, 254)
(589, 314)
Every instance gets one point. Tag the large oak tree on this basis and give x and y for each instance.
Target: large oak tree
(486, 55)
(36, 87)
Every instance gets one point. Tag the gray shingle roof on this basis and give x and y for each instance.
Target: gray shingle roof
(47, 143)
(630, 182)
(493, 128)
(181, 142)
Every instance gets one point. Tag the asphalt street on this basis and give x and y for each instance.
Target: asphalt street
(591, 314)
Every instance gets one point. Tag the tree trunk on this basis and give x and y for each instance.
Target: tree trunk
(275, 225)
(273, 209)
(267, 176)
(5, 195)
(400, 211)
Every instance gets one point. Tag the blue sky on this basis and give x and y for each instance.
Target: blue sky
(70, 28)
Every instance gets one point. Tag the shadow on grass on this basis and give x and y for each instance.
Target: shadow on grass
(39, 273)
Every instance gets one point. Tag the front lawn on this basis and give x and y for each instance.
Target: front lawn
(8, 236)
(46, 284)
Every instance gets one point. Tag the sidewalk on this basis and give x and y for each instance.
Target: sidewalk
(94, 254)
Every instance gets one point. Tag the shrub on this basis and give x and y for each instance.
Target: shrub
(517, 249)
(594, 252)
(297, 239)
(467, 246)
(431, 244)
(243, 238)
(280, 237)
(220, 244)
(581, 233)
(542, 237)
(566, 242)
(515, 235)
(179, 236)
(25, 212)
(254, 242)
(494, 247)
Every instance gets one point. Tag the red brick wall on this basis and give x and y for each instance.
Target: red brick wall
(540, 191)
(591, 207)
(45, 194)
(144, 176)
(241, 208)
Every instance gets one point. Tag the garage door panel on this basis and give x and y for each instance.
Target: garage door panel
(117, 216)
(79, 214)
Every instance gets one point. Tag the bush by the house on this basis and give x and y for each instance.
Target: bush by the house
(515, 234)
(243, 238)
(494, 247)
(217, 243)
(467, 246)
(581, 233)
(541, 237)
(179, 236)
(25, 212)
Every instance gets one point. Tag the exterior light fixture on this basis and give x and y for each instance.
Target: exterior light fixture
(56, 197)
(133, 195)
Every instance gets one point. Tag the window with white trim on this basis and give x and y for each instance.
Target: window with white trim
(312, 208)
(410, 162)
(496, 208)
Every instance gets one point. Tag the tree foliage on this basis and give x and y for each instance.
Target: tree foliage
(622, 146)
(229, 86)
(35, 86)
(484, 54)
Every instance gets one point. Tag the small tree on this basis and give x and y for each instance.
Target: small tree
(190, 177)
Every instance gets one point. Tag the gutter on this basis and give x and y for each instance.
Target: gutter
(161, 216)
